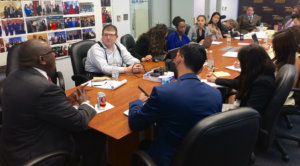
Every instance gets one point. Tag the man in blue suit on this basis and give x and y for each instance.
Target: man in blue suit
(176, 107)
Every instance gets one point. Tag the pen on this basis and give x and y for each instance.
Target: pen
(143, 91)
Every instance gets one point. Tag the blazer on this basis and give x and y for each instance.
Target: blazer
(37, 118)
(244, 24)
(193, 32)
(175, 108)
(141, 48)
(259, 92)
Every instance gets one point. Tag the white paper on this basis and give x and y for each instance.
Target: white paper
(243, 44)
(108, 84)
(126, 112)
(216, 42)
(233, 68)
(210, 83)
(226, 107)
(230, 54)
(107, 107)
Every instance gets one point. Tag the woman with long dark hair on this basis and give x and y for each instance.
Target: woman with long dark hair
(178, 38)
(214, 25)
(287, 51)
(256, 83)
(152, 43)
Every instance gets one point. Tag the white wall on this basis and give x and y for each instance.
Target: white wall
(65, 66)
(213, 7)
(184, 9)
(199, 8)
(121, 7)
(230, 9)
(161, 12)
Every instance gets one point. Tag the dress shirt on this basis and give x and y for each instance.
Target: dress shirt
(289, 23)
(101, 60)
(175, 42)
(175, 108)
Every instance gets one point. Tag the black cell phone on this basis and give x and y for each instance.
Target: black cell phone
(254, 38)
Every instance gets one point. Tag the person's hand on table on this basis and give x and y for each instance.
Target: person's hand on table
(266, 46)
(236, 64)
(147, 58)
(143, 97)
(211, 78)
(81, 95)
(136, 68)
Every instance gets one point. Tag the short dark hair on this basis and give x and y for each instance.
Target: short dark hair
(110, 27)
(296, 15)
(177, 20)
(194, 56)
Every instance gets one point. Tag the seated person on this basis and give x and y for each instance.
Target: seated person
(176, 107)
(37, 116)
(249, 21)
(151, 44)
(103, 55)
(198, 32)
(229, 25)
(256, 83)
(288, 20)
(296, 19)
(178, 38)
(214, 25)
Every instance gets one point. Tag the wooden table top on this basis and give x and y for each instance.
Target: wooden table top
(113, 122)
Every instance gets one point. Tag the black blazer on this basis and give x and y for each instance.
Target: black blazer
(259, 93)
(245, 26)
(141, 48)
(37, 118)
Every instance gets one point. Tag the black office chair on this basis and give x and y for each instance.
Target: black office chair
(78, 57)
(64, 156)
(227, 139)
(128, 41)
(268, 129)
(187, 28)
(13, 64)
(171, 30)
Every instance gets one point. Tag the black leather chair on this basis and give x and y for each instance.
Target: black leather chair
(171, 30)
(63, 155)
(13, 65)
(128, 41)
(227, 139)
(78, 57)
(187, 28)
(268, 129)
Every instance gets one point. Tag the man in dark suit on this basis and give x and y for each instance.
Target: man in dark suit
(176, 107)
(248, 22)
(37, 116)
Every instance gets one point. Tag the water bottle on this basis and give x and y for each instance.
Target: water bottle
(228, 38)
(210, 60)
(241, 36)
(266, 37)
(261, 27)
(115, 72)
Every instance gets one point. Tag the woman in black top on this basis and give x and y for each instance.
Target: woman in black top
(256, 83)
(151, 44)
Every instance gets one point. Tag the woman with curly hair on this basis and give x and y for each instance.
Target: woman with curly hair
(151, 44)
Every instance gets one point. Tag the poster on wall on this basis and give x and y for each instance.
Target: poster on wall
(88, 33)
(36, 24)
(74, 36)
(10, 9)
(55, 22)
(57, 37)
(72, 22)
(32, 8)
(60, 51)
(13, 27)
(106, 12)
(2, 48)
(87, 21)
(71, 7)
(271, 11)
(9, 42)
(86, 7)
(40, 36)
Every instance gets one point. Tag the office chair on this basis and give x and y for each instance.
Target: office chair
(171, 30)
(41, 158)
(13, 64)
(78, 57)
(216, 140)
(268, 128)
(187, 28)
(128, 41)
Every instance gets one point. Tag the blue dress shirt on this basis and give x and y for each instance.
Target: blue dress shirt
(175, 42)
(175, 108)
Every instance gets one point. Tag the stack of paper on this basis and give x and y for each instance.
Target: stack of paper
(233, 68)
(230, 54)
(221, 74)
(210, 83)
(216, 42)
(108, 84)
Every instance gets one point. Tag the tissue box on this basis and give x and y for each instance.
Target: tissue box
(169, 75)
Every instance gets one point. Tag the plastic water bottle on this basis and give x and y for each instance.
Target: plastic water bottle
(261, 27)
(228, 38)
(241, 36)
(115, 72)
(210, 60)
(266, 37)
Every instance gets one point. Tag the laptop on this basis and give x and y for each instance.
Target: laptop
(254, 38)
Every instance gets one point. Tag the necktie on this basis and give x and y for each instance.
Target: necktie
(250, 18)
(49, 79)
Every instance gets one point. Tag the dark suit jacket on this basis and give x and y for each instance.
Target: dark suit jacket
(259, 93)
(245, 26)
(175, 108)
(37, 118)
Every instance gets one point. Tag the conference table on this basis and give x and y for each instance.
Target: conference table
(122, 141)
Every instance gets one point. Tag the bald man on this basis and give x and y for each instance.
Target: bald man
(37, 116)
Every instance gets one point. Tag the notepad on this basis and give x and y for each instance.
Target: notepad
(233, 68)
(221, 74)
(243, 44)
(230, 54)
(216, 42)
(107, 107)
(210, 83)
(108, 84)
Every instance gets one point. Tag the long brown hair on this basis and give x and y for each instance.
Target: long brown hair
(254, 62)
(157, 36)
(285, 45)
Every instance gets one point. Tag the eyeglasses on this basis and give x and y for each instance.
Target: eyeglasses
(50, 52)
(108, 35)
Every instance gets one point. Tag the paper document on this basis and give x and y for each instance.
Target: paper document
(216, 42)
(221, 74)
(108, 84)
(233, 68)
(210, 83)
(230, 54)
(107, 107)
(243, 44)
(126, 112)
(226, 107)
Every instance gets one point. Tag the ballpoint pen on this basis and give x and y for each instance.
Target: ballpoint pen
(143, 91)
